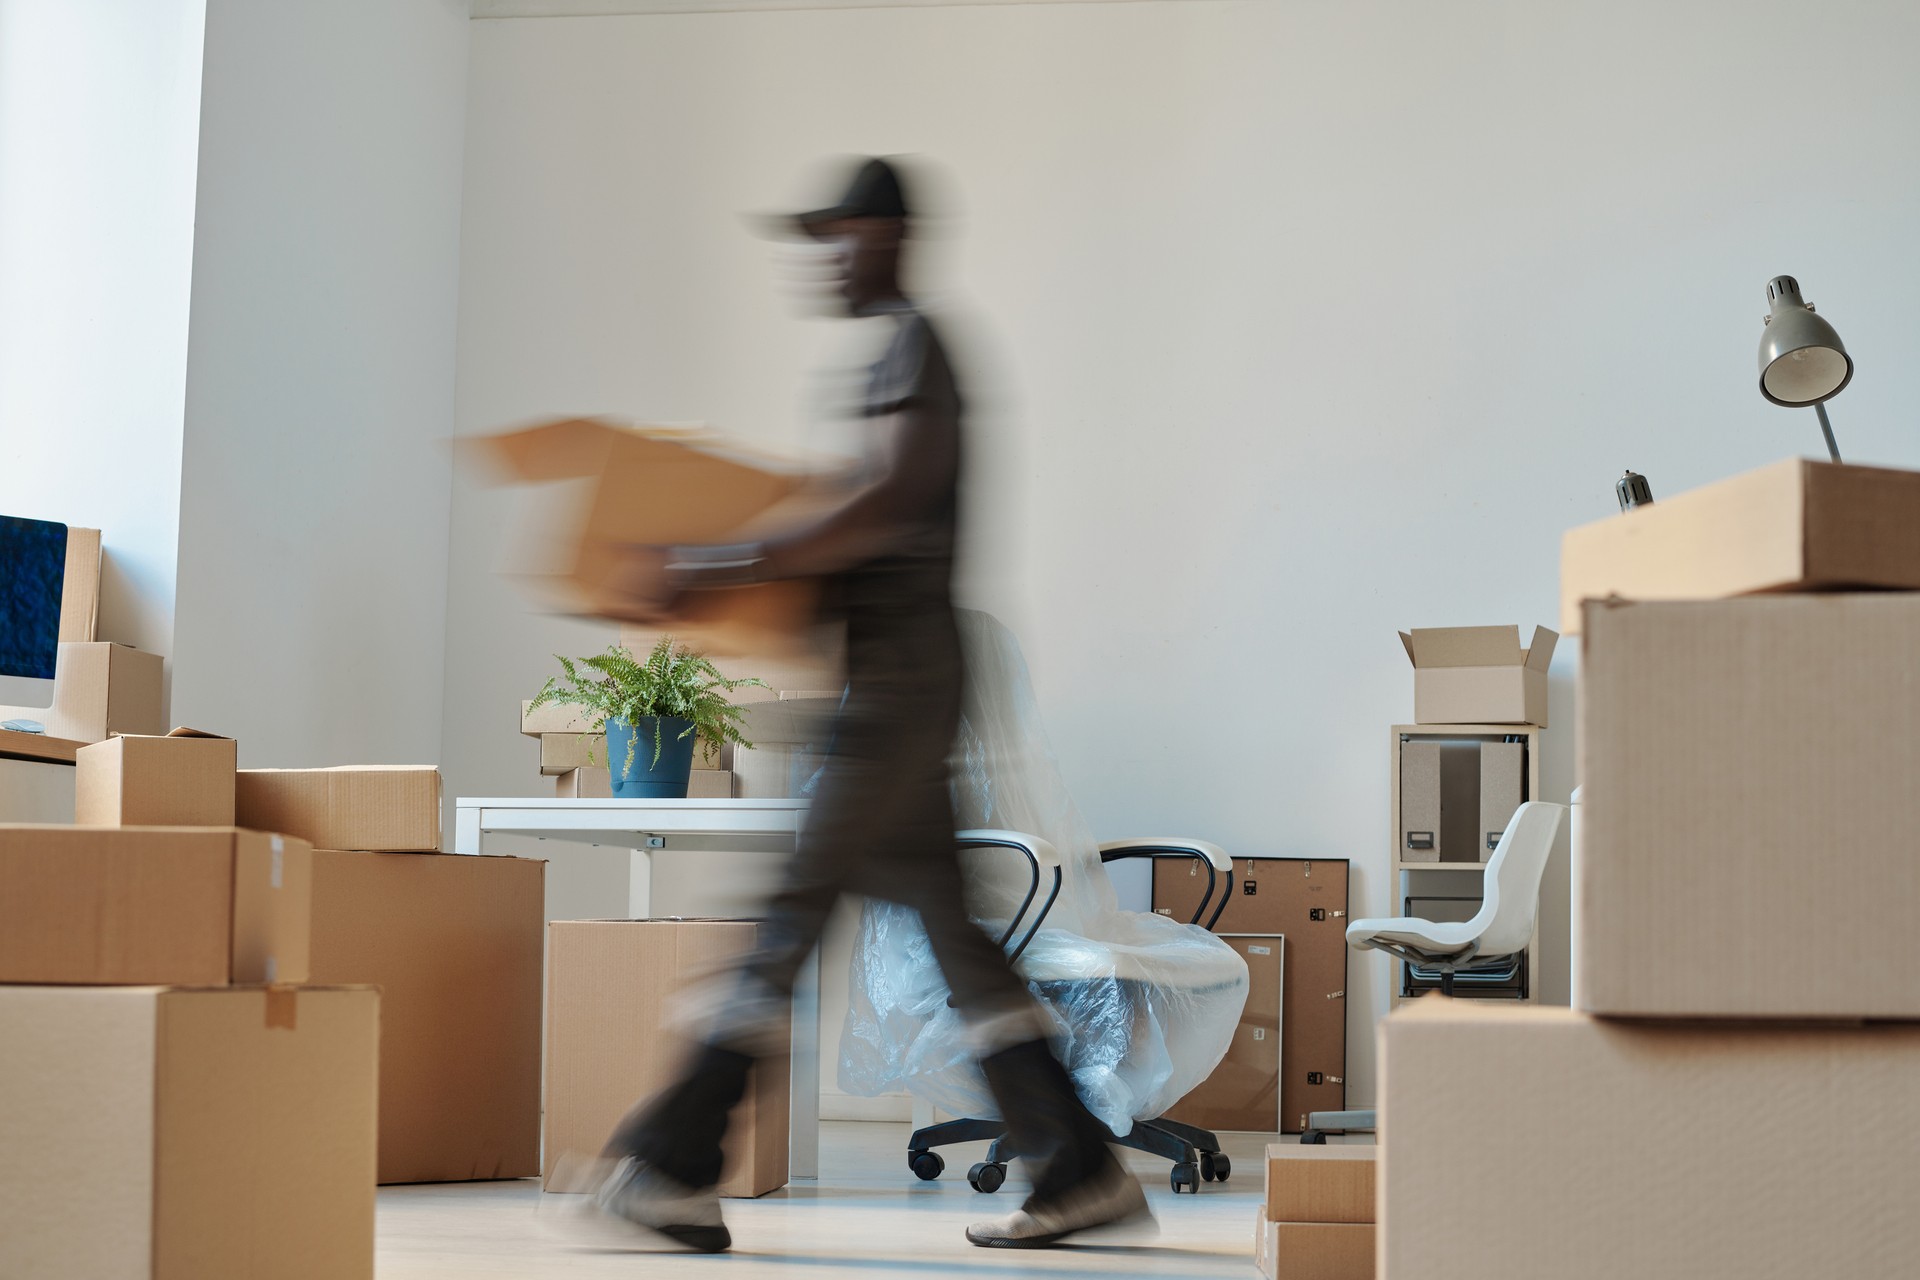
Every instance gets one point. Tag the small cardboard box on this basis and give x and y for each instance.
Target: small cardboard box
(1313, 1250)
(565, 752)
(80, 587)
(100, 690)
(455, 945)
(1243, 1091)
(583, 784)
(652, 486)
(570, 721)
(1479, 675)
(555, 717)
(178, 906)
(182, 780)
(1796, 525)
(610, 984)
(1749, 808)
(1526, 1141)
(1332, 1182)
(380, 808)
(166, 1133)
(788, 733)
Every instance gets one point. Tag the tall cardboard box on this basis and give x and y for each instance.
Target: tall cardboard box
(80, 586)
(789, 735)
(1748, 776)
(1243, 1092)
(610, 986)
(1479, 675)
(1304, 899)
(181, 1134)
(182, 780)
(1521, 1141)
(454, 943)
(99, 690)
(380, 808)
(187, 906)
(1796, 525)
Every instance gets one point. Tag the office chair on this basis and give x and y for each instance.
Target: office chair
(1499, 931)
(1142, 1007)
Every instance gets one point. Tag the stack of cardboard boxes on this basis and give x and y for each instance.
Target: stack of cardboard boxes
(1317, 1222)
(1737, 1089)
(215, 1039)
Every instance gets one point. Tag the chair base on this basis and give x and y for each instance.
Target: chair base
(1194, 1152)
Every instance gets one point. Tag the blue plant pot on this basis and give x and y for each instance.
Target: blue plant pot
(646, 779)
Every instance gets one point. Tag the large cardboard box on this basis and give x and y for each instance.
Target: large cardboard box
(624, 486)
(1523, 1141)
(455, 945)
(187, 1134)
(185, 906)
(610, 987)
(1796, 525)
(182, 780)
(1304, 899)
(100, 690)
(1243, 1091)
(1313, 1250)
(80, 587)
(35, 790)
(381, 808)
(1748, 775)
(1479, 675)
(1331, 1182)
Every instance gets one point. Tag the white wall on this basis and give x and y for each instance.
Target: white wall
(1300, 323)
(313, 532)
(99, 104)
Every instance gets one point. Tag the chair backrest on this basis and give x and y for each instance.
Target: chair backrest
(1511, 890)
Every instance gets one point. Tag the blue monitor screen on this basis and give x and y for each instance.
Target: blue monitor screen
(33, 569)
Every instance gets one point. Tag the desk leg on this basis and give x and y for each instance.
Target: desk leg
(803, 1138)
(640, 884)
(466, 830)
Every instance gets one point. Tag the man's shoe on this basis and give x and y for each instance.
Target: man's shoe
(1108, 1198)
(636, 1193)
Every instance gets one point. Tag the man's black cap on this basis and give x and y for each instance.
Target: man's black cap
(874, 192)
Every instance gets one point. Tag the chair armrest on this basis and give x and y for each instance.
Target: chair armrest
(1042, 859)
(1213, 855)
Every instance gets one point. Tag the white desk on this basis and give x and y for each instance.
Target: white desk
(700, 826)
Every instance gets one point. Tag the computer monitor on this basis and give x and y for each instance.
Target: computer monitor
(33, 574)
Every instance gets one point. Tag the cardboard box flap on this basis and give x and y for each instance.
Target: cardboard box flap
(1466, 647)
(1539, 654)
(184, 732)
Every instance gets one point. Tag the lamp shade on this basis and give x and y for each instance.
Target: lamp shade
(1802, 361)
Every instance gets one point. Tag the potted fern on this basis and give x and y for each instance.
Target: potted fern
(653, 712)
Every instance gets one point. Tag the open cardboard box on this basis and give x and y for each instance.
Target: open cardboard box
(1479, 675)
(622, 486)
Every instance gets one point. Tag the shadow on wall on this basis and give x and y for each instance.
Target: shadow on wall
(1556, 886)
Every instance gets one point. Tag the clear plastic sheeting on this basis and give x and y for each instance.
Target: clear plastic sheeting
(1143, 1007)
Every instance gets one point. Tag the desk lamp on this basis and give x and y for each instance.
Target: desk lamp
(1801, 360)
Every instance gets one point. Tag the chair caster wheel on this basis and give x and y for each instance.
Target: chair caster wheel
(1214, 1166)
(926, 1165)
(987, 1177)
(1313, 1138)
(1185, 1177)
(1206, 1166)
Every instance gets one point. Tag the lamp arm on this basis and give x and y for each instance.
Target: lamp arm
(1826, 428)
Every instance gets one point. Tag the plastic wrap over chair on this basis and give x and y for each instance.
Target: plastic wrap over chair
(1143, 1007)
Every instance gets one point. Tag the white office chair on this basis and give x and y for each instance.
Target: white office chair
(1499, 931)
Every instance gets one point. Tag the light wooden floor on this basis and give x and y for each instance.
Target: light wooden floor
(866, 1216)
